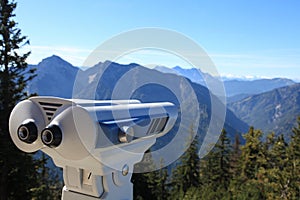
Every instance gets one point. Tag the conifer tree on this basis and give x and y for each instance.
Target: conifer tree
(236, 154)
(267, 146)
(222, 153)
(215, 169)
(49, 180)
(144, 183)
(193, 193)
(157, 183)
(294, 164)
(141, 190)
(186, 174)
(16, 168)
(251, 153)
(277, 174)
(235, 168)
(249, 185)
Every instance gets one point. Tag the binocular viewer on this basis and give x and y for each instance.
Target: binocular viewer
(96, 142)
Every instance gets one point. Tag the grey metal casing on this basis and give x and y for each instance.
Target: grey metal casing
(98, 139)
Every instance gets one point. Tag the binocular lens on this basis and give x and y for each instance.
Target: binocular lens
(23, 133)
(47, 137)
(27, 132)
(52, 136)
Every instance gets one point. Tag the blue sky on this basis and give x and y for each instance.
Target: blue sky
(244, 38)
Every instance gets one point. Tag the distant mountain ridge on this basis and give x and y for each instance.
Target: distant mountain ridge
(235, 89)
(275, 110)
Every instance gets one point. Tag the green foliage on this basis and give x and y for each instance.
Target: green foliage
(252, 153)
(268, 169)
(215, 169)
(157, 183)
(17, 172)
(141, 190)
(50, 183)
(294, 162)
(150, 185)
(186, 174)
(260, 169)
(21, 175)
(191, 193)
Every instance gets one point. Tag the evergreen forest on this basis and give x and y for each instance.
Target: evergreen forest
(259, 169)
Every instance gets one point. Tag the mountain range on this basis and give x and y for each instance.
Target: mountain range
(56, 77)
(275, 110)
(239, 89)
(236, 89)
(267, 104)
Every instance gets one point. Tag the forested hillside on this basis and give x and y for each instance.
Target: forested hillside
(271, 111)
(260, 169)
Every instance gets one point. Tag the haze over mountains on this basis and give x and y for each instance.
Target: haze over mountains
(269, 109)
(236, 89)
(266, 104)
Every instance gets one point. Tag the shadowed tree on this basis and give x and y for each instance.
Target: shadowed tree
(186, 174)
(16, 168)
(215, 169)
(294, 165)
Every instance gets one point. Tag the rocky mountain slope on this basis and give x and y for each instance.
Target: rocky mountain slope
(276, 110)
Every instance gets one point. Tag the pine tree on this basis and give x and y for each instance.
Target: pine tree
(215, 169)
(157, 183)
(16, 168)
(222, 152)
(251, 153)
(294, 162)
(277, 174)
(141, 190)
(50, 183)
(143, 183)
(249, 184)
(186, 174)
(235, 168)
(236, 154)
(268, 156)
(193, 193)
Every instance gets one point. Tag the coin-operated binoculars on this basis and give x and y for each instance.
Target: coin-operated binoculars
(96, 143)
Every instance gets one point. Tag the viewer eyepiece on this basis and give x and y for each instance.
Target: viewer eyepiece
(52, 136)
(27, 132)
